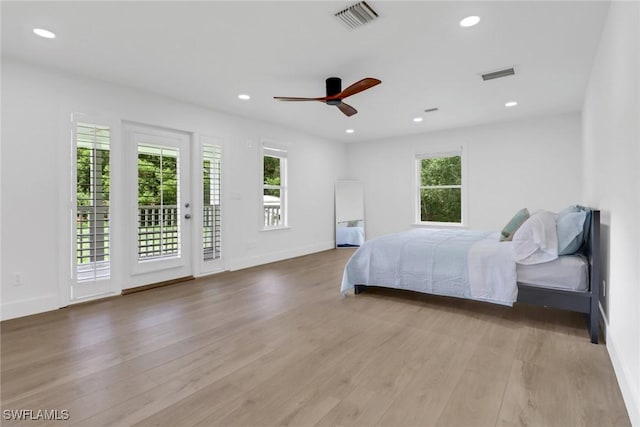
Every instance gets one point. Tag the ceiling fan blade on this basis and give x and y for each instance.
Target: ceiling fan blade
(358, 87)
(288, 98)
(347, 109)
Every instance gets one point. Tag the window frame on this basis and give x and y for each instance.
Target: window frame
(83, 121)
(270, 149)
(440, 153)
(72, 291)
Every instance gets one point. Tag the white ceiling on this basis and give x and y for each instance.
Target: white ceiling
(207, 53)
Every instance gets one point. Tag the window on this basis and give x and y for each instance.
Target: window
(158, 213)
(211, 197)
(274, 184)
(92, 202)
(440, 189)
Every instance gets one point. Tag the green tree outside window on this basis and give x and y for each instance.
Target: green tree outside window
(440, 192)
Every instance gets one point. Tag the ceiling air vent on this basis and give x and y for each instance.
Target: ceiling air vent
(431, 110)
(357, 15)
(498, 74)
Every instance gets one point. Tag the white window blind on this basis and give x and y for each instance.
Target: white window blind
(92, 202)
(211, 227)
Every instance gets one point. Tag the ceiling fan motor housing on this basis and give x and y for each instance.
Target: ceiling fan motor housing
(334, 86)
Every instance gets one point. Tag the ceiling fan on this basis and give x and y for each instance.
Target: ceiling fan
(335, 94)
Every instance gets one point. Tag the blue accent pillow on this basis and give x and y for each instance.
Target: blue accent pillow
(572, 228)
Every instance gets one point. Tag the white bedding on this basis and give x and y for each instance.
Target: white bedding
(567, 272)
(460, 263)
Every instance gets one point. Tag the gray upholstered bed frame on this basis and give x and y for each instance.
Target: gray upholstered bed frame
(581, 302)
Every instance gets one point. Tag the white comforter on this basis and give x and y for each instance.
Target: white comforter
(459, 263)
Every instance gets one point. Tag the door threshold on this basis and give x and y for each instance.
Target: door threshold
(156, 285)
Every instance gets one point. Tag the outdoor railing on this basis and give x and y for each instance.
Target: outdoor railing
(271, 216)
(92, 229)
(211, 232)
(158, 231)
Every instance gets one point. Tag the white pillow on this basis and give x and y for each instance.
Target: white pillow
(536, 241)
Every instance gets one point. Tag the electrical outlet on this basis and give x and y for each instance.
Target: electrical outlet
(17, 279)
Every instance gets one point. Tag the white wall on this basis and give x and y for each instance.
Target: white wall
(531, 163)
(36, 107)
(611, 129)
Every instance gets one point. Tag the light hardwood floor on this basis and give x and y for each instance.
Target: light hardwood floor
(278, 345)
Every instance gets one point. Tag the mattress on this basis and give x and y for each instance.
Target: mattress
(567, 272)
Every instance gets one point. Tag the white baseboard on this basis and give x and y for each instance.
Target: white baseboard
(29, 306)
(630, 393)
(209, 273)
(247, 262)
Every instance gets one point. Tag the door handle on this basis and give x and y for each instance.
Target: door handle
(187, 216)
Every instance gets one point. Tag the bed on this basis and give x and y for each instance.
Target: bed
(349, 236)
(477, 265)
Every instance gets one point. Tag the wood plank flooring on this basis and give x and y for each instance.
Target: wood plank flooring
(278, 345)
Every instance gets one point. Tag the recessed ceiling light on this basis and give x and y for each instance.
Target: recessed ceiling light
(349, 131)
(417, 119)
(511, 104)
(244, 97)
(44, 33)
(469, 21)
